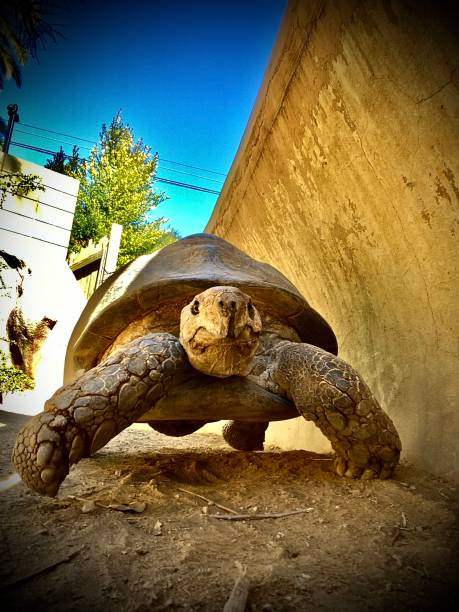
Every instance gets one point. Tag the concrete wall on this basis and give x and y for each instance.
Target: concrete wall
(347, 180)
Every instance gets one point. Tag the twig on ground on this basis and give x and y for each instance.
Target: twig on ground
(209, 501)
(89, 505)
(414, 569)
(320, 459)
(238, 597)
(42, 570)
(258, 517)
(396, 535)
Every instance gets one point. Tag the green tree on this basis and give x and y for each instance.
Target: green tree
(116, 186)
(24, 27)
(71, 165)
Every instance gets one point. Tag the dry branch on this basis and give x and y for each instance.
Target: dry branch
(39, 571)
(258, 517)
(238, 597)
(209, 501)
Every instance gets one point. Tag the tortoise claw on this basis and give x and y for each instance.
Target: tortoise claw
(39, 455)
(348, 469)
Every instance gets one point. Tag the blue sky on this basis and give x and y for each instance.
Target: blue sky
(184, 74)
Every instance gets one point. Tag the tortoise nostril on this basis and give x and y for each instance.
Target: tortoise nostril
(221, 304)
(233, 305)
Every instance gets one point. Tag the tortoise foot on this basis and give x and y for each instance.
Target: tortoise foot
(40, 454)
(83, 416)
(348, 469)
(245, 436)
(329, 392)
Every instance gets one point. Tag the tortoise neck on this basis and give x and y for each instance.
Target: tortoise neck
(274, 330)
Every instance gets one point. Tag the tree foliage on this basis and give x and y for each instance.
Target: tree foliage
(24, 27)
(13, 379)
(18, 184)
(71, 165)
(116, 186)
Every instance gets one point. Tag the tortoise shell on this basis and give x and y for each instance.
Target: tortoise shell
(175, 274)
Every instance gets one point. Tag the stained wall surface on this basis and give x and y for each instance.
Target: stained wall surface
(347, 181)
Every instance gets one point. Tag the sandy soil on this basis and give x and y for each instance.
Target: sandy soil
(382, 545)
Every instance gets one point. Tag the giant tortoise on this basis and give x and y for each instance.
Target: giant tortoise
(202, 332)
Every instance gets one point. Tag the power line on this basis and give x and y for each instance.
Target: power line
(169, 161)
(191, 174)
(187, 185)
(205, 178)
(35, 127)
(157, 178)
(190, 166)
(48, 138)
(33, 148)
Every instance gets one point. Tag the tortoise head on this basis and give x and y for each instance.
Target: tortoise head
(219, 330)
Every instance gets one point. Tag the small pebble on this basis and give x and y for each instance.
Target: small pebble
(157, 529)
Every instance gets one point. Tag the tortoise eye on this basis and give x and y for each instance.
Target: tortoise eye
(251, 310)
(195, 307)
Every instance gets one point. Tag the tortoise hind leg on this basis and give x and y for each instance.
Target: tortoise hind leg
(83, 416)
(239, 435)
(245, 435)
(177, 428)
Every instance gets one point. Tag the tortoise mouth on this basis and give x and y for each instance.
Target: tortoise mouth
(203, 339)
(222, 356)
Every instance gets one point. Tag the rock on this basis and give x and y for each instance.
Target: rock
(157, 529)
(135, 506)
(88, 506)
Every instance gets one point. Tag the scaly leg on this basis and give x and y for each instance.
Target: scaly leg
(329, 392)
(245, 436)
(83, 416)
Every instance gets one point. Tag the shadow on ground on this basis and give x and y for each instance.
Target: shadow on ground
(379, 546)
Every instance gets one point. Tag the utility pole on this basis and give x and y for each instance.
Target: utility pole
(13, 118)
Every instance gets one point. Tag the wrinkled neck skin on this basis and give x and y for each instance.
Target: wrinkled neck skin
(261, 366)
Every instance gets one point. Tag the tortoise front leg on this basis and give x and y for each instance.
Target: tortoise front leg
(329, 392)
(83, 416)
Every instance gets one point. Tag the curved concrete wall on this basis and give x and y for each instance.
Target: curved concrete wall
(347, 181)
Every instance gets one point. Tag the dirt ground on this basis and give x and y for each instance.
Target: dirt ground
(381, 545)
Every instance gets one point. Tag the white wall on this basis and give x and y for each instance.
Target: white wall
(41, 221)
(36, 229)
